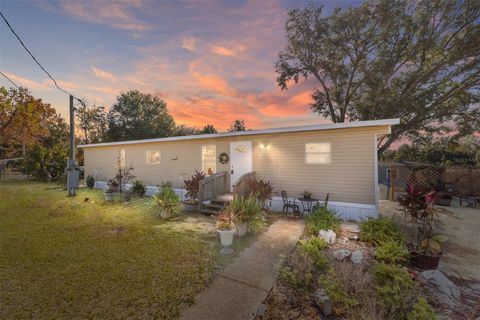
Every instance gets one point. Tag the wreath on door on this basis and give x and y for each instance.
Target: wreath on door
(223, 158)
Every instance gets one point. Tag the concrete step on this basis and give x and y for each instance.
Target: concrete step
(215, 206)
(209, 212)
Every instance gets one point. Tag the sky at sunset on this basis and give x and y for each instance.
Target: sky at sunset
(211, 61)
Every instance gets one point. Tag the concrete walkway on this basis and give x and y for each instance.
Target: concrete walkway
(237, 291)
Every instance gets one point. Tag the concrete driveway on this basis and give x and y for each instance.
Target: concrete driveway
(461, 257)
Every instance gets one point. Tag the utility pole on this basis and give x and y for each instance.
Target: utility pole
(72, 173)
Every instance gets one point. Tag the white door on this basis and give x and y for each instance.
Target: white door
(240, 160)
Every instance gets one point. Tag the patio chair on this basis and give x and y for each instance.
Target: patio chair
(320, 204)
(287, 204)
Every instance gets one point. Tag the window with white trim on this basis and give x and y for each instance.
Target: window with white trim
(318, 153)
(209, 159)
(152, 157)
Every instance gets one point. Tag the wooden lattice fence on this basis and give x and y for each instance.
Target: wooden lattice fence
(458, 181)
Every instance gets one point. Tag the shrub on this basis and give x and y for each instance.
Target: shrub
(376, 231)
(192, 186)
(127, 195)
(395, 289)
(422, 311)
(247, 209)
(138, 188)
(90, 181)
(262, 189)
(322, 219)
(312, 248)
(392, 252)
(336, 290)
(168, 202)
(295, 279)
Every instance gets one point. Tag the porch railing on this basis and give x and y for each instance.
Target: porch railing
(242, 187)
(212, 186)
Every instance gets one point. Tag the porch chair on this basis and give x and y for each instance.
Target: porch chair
(287, 204)
(320, 204)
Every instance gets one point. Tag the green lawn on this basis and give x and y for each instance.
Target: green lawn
(72, 257)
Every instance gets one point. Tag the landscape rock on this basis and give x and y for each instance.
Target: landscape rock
(342, 254)
(323, 301)
(441, 287)
(357, 257)
(329, 236)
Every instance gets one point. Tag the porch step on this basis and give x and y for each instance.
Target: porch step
(209, 211)
(216, 204)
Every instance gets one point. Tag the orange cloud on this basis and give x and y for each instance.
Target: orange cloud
(102, 74)
(28, 83)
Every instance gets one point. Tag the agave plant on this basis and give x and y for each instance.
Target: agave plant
(168, 202)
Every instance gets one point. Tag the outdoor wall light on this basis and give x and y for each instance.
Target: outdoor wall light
(264, 147)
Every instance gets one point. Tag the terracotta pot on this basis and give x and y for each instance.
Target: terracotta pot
(164, 214)
(242, 229)
(424, 261)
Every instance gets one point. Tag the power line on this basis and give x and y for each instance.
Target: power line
(11, 81)
(36, 61)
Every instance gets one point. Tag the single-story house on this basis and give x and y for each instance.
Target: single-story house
(339, 159)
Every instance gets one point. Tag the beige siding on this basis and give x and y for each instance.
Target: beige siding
(349, 177)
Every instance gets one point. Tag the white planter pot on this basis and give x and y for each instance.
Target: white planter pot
(242, 229)
(108, 196)
(226, 238)
(164, 214)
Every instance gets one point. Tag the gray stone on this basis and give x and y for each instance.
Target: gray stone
(441, 287)
(323, 301)
(357, 257)
(329, 236)
(342, 254)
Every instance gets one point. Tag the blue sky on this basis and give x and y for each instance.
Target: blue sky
(211, 61)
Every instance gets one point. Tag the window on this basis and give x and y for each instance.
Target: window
(153, 157)
(318, 153)
(209, 159)
(121, 158)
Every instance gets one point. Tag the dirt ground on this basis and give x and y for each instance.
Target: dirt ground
(461, 257)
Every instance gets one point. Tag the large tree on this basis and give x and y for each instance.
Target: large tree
(415, 60)
(23, 120)
(238, 125)
(93, 123)
(209, 128)
(138, 115)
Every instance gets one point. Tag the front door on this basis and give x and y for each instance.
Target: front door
(240, 160)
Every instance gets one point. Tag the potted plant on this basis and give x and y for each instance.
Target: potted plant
(112, 187)
(307, 194)
(192, 186)
(138, 188)
(168, 202)
(418, 208)
(248, 212)
(428, 253)
(226, 229)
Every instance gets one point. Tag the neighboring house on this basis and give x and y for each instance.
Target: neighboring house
(339, 159)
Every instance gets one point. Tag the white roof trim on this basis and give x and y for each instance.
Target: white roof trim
(328, 126)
